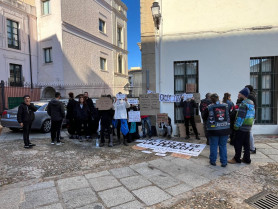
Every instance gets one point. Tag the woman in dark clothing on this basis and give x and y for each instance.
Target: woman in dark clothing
(227, 100)
(82, 114)
(71, 123)
(232, 119)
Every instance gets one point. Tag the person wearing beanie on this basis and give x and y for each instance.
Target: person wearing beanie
(242, 126)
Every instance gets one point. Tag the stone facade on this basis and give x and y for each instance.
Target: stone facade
(135, 81)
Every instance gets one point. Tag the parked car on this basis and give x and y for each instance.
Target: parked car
(42, 119)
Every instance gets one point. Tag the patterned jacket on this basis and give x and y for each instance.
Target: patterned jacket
(245, 116)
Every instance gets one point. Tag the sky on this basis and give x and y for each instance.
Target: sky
(133, 32)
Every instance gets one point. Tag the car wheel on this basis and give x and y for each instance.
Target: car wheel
(14, 129)
(46, 126)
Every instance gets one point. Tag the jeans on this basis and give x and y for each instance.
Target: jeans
(220, 141)
(149, 127)
(56, 130)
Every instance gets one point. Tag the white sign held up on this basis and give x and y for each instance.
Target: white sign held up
(134, 116)
(121, 96)
(133, 101)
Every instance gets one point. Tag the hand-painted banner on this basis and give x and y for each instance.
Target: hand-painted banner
(177, 98)
(173, 146)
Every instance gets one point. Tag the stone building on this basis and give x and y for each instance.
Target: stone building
(217, 46)
(135, 81)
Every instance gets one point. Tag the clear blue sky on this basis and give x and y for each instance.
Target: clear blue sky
(133, 32)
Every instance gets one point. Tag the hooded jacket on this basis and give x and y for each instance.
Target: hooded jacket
(245, 116)
(25, 113)
(56, 110)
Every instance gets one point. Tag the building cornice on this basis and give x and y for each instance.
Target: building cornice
(20, 6)
(121, 3)
(90, 37)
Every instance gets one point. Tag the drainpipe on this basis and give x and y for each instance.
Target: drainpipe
(30, 55)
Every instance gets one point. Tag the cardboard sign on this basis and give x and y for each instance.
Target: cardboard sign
(134, 116)
(104, 103)
(149, 104)
(120, 96)
(191, 88)
(162, 118)
(133, 101)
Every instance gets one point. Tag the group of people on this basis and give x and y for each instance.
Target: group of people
(224, 119)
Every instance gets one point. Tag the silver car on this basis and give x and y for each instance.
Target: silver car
(42, 119)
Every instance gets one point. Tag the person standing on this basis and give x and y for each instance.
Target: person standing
(82, 115)
(25, 117)
(227, 100)
(189, 106)
(120, 115)
(203, 106)
(243, 124)
(252, 96)
(56, 111)
(70, 116)
(145, 120)
(218, 127)
(92, 120)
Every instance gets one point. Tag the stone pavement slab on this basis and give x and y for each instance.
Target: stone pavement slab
(274, 157)
(179, 189)
(38, 186)
(164, 181)
(262, 146)
(135, 182)
(104, 182)
(79, 197)
(273, 145)
(130, 205)
(271, 151)
(123, 172)
(258, 155)
(145, 169)
(40, 198)
(116, 196)
(193, 179)
(73, 183)
(93, 206)
(98, 174)
(10, 198)
(151, 195)
(53, 206)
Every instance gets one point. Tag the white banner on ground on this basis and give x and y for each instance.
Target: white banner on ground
(172, 146)
(120, 96)
(133, 101)
(134, 116)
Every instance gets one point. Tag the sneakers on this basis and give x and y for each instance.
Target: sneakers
(187, 137)
(232, 161)
(253, 151)
(244, 161)
(32, 145)
(58, 143)
(214, 164)
(28, 147)
(52, 142)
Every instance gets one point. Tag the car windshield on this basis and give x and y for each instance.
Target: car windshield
(37, 105)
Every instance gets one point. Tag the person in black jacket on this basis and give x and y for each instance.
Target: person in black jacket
(56, 111)
(188, 112)
(82, 115)
(70, 116)
(203, 106)
(93, 119)
(25, 117)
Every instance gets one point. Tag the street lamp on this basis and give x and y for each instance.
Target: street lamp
(156, 14)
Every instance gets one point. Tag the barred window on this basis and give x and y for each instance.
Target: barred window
(185, 72)
(15, 75)
(264, 77)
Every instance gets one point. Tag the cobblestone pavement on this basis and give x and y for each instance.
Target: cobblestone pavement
(78, 175)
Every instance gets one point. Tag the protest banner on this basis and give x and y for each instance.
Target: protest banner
(134, 116)
(133, 101)
(169, 98)
(149, 104)
(162, 118)
(120, 96)
(104, 103)
(149, 92)
(187, 96)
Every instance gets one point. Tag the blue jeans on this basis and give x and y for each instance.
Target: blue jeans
(149, 127)
(214, 142)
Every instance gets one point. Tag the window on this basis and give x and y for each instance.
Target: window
(119, 32)
(185, 73)
(15, 75)
(101, 25)
(263, 76)
(47, 55)
(46, 7)
(103, 63)
(13, 34)
(120, 64)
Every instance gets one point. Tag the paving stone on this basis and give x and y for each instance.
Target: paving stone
(274, 157)
(263, 160)
(104, 182)
(146, 170)
(79, 197)
(40, 197)
(151, 195)
(179, 189)
(38, 186)
(262, 146)
(10, 198)
(53, 206)
(116, 196)
(130, 205)
(73, 183)
(122, 172)
(193, 179)
(164, 181)
(271, 151)
(258, 155)
(135, 182)
(168, 158)
(93, 206)
(98, 174)
(273, 145)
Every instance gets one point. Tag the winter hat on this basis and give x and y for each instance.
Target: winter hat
(245, 92)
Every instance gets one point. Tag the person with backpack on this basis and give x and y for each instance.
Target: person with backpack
(203, 106)
(217, 120)
(243, 124)
(56, 111)
(25, 117)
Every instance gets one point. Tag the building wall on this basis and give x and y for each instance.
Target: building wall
(136, 82)
(25, 15)
(221, 43)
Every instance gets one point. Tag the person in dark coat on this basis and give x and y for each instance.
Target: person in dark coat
(93, 119)
(233, 118)
(56, 111)
(82, 115)
(70, 116)
(203, 106)
(188, 112)
(25, 117)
